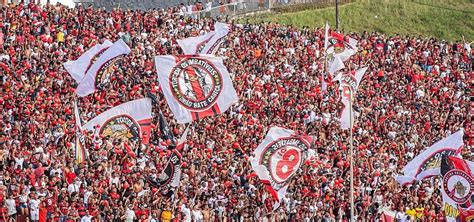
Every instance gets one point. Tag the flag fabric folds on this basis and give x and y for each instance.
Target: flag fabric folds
(166, 133)
(338, 49)
(78, 68)
(130, 120)
(205, 44)
(79, 147)
(349, 82)
(195, 86)
(171, 174)
(428, 162)
(98, 72)
(278, 158)
(457, 188)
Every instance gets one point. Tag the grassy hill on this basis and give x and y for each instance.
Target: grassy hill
(443, 19)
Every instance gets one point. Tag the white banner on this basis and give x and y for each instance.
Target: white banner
(205, 44)
(428, 162)
(100, 71)
(277, 159)
(195, 86)
(348, 84)
(130, 120)
(78, 68)
(457, 189)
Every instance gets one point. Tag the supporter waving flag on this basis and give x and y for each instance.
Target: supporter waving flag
(98, 71)
(78, 68)
(127, 121)
(277, 159)
(205, 44)
(349, 82)
(457, 188)
(428, 162)
(195, 86)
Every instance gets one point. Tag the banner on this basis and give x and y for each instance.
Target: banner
(195, 86)
(99, 71)
(80, 144)
(348, 84)
(457, 189)
(78, 68)
(277, 159)
(171, 175)
(130, 120)
(205, 44)
(428, 162)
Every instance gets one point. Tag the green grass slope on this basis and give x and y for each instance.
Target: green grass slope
(442, 19)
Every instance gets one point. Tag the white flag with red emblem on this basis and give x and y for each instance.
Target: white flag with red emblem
(205, 44)
(278, 158)
(195, 86)
(348, 84)
(98, 71)
(127, 121)
(428, 162)
(457, 188)
(78, 68)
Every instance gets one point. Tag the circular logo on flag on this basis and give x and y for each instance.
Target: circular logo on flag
(121, 127)
(283, 157)
(458, 185)
(196, 83)
(105, 71)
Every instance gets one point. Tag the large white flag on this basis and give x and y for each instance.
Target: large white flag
(457, 189)
(99, 72)
(78, 68)
(195, 86)
(278, 158)
(349, 82)
(205, 44)
(428, 162)
(130, 120)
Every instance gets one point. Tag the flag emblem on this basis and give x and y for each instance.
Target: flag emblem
(458, 185)
(434, 161)
(283, 158)
(106, 70)
(121, 127)
(196, 83)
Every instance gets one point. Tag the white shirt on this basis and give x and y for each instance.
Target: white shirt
(11, 208)
(130, 215)
(86, 218)
(34, 204)
(197, 215)
(186, 212)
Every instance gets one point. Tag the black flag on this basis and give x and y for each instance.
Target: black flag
(166, 133)
(171, 175)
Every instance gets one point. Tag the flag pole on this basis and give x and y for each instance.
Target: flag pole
(351, 150)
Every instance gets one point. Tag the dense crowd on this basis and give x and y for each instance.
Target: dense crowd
(415, 92)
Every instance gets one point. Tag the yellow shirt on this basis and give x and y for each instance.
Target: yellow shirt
(166, 216)
(60, 36)
(411, 213)
(419, 212)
